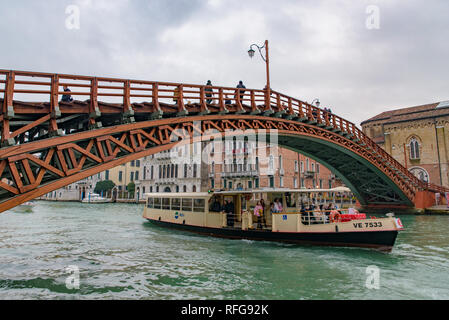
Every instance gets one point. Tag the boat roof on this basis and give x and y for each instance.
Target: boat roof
(233, 192)
(282, 190)
(178, 195)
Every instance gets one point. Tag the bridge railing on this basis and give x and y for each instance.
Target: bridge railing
(121, 94)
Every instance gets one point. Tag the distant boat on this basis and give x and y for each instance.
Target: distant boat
(26, 207)
(95, 198)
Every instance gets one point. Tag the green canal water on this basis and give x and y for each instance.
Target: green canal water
(121, 256)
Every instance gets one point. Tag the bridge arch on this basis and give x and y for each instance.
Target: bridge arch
(362, 174)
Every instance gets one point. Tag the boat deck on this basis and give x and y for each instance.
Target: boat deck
(238, 226)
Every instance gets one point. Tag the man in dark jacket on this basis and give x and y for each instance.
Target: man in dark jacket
(241, 86)
(229, 210)
(67, 97)
(208, 89)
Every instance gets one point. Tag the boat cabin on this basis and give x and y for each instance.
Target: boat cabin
(283, 217)
(283, 210)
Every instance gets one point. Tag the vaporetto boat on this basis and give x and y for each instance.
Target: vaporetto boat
(231, 214)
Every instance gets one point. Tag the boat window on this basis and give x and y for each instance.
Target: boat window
(198, 205)
(157, 203)
(150, 203)
(176, 204)
(187, 204)
(165, 203)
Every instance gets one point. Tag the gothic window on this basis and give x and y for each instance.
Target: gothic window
(414, 149)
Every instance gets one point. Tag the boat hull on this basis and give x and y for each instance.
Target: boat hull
(381, 240)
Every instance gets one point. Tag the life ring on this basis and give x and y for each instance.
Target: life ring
(334, 216)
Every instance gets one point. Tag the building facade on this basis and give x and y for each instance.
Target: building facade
(417, 137)
(123, 174)
(76, 191)
(228, 165)
(231, 165)
(172, 171)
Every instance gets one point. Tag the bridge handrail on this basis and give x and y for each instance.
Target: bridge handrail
(203, 95)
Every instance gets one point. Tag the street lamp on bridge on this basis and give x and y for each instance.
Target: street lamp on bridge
(265, 58)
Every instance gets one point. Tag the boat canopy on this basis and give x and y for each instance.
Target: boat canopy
(178, 195)
(283, 190)
(234, 192)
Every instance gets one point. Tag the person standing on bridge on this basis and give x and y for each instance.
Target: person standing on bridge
(209, 89)
(240, 88)
(67, 97)
(176, 95)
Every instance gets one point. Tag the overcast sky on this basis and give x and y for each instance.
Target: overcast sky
(318, 49)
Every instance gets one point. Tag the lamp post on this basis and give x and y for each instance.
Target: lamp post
(251, 52)
(317, 102)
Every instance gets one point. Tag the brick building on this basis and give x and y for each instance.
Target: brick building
(231, 165)
(417, 137)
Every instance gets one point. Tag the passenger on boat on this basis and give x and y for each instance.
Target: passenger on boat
(229, 210)
(303, 213)
(318, 215)
(311, 216)
(258, 211)
(272, 208)
(328, 209)
(334, 216)
(216, 206)
(278, 205)
(264, 219)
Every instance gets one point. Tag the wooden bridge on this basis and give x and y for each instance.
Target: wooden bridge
(47, 143)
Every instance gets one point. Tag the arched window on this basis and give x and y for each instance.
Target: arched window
(194, 188)
(184, 189)
(414, 149)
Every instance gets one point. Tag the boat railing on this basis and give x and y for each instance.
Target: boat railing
(314, 217)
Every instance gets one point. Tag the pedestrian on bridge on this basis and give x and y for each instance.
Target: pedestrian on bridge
(176, 95)
(209, 89)
(240, 88)
(67, 97)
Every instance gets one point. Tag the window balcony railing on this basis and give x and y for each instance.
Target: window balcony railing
(236, 174)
